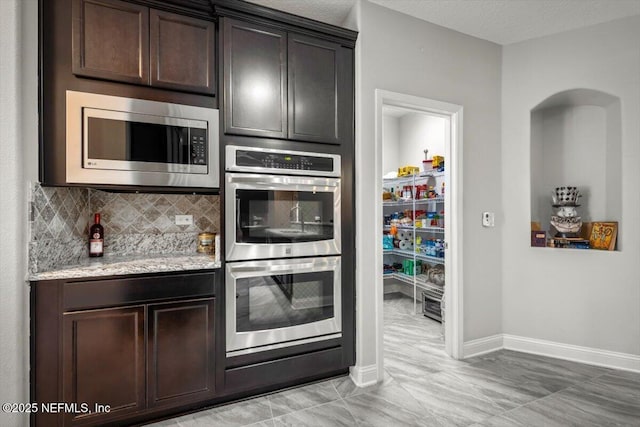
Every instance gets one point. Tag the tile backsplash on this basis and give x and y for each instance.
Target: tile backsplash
(58, 226)
(129, 213)
(134, 223)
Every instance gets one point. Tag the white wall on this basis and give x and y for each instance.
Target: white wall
(402, 54)
(419, 132)
(583, 298)
(14, 306)
(391, 145)
(573, 145)
(406, 137)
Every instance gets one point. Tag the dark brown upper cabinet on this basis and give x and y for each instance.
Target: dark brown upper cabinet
(182, 52)
(255, 79)
(314, 76)
(281, 84)
(111, 40)
(130, 43)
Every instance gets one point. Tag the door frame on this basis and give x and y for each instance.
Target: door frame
(453, 208)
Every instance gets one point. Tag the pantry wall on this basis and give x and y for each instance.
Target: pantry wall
(413, 205)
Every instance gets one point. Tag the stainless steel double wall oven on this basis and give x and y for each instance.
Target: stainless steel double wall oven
(283, 243)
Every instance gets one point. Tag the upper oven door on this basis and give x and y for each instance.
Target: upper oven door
(274, 216)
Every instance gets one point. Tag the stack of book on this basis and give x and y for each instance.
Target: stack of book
(569, 242)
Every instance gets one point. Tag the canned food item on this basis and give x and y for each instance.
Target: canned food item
(206, 243)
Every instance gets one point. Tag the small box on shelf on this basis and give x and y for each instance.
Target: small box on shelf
(603, 235)
(538, 238)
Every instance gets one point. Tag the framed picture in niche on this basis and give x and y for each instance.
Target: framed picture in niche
(603, 235)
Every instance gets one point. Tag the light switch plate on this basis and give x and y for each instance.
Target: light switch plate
(184, 219)
(488, 219)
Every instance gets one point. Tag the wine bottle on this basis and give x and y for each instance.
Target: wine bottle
(96, 238)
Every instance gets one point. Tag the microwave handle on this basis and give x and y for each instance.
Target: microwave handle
(238, 227)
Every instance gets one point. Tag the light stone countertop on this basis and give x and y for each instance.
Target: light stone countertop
(122, 265)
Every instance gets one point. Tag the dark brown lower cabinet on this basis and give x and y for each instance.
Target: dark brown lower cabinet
(107, 374)
(103, 364)
(180, 352)
(120, 350)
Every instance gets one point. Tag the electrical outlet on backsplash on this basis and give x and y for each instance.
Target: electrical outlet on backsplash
(134, 223)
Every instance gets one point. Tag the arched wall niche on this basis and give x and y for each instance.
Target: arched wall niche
(576, 141)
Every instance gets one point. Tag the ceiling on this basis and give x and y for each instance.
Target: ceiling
(499, 21)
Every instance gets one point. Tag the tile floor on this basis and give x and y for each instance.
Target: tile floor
(424, 387)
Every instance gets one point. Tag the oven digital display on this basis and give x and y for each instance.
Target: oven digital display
(271, 160)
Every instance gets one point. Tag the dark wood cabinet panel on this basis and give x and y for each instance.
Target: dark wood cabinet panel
(255, 79)
(314, 77)
(287, 85)
(181, 352)
(103, 362)
(150, 352)
(91, 294)
(131, 43)
(111, 40)
(182, 52)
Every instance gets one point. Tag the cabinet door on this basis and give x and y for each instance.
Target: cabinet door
(111, 40)
(182, 52)
(180, 352)
(314, 78)
(103, 363)
(255, 79)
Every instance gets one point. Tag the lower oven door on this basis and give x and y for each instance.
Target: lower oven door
(273, 304)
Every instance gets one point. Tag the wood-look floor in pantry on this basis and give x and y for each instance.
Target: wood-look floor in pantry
(424, 387)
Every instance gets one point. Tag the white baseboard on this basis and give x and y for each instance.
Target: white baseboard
(390, 288)
(364, 376)
(482, 346)
(588, 355)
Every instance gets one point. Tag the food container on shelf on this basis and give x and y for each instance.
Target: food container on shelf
(436, 161)
(206, 243)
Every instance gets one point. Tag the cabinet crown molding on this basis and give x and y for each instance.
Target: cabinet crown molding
(244, 10)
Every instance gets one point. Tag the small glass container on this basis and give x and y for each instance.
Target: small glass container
(205, 243)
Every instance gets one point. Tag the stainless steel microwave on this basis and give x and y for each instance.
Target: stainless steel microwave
(122, 141)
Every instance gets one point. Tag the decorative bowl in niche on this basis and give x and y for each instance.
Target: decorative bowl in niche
(566, 224)
(565, 196)
(567, 212)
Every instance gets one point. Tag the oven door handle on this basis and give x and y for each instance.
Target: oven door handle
(286, 180)
(285, 269)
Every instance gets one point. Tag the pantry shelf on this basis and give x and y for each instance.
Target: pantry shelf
(413, 178)
(412, 210)
(411, 254)
(423, 284)
(418, 229)
(405, 202)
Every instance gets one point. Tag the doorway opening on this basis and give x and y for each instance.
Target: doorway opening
(421, 233)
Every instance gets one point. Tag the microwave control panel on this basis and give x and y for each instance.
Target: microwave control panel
(198, 146)
(290, 161)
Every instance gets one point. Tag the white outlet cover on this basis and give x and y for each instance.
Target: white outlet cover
(184, 219)
(488, 219)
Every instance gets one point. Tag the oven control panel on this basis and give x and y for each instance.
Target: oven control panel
(250, 159)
